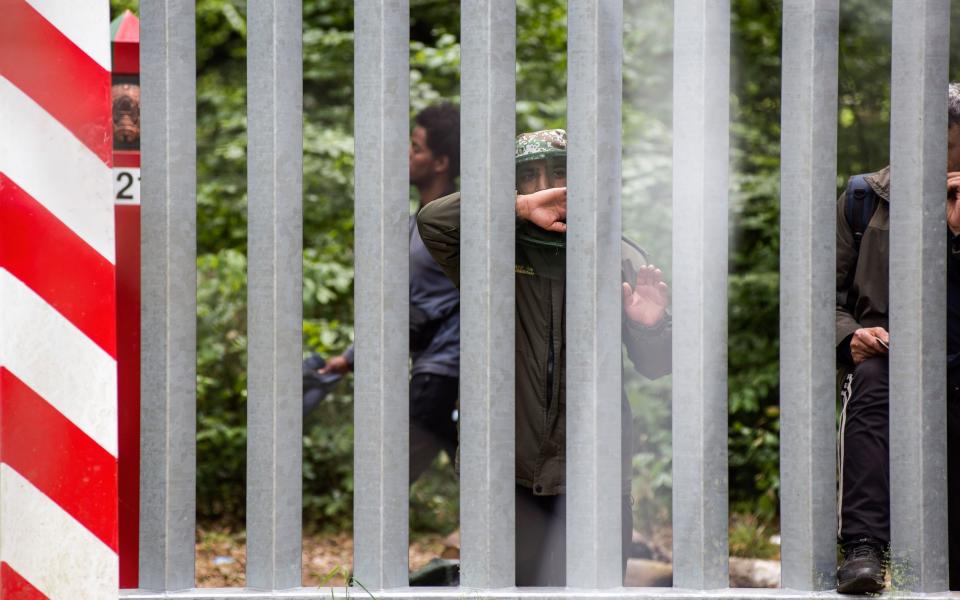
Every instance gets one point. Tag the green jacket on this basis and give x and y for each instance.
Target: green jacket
(863, 301)
(540, 397)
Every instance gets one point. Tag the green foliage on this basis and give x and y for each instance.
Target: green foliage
(754, 287)
(434, 499)
(750, 537)
(328, 466)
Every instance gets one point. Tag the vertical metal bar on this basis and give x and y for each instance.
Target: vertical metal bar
(593, 296)
(169, 307)
(807, 257)
(381, 292)
(700, 197)
(488, 92)
(274, 292)
(918, 132)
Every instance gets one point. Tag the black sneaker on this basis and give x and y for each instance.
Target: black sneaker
(862, 570)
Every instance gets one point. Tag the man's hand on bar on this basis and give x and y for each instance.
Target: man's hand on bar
(646, 302)
(546, 209)
(865, 343)
(953, 207)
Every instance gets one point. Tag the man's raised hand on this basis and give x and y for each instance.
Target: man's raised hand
(547, 209)
(646, 302)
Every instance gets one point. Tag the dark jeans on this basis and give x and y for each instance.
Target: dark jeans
(433, 399)
(541, 538)
(865, 464)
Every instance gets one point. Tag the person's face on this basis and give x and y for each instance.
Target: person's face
(953, 148)
(423, 164)
(536, 175)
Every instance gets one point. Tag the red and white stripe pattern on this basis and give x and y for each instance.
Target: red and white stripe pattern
(58, 370)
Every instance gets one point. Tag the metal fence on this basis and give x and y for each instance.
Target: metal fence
(701, 117)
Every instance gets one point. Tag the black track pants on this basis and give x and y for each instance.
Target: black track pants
(865, 460)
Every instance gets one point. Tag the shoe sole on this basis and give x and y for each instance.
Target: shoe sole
(861, 585)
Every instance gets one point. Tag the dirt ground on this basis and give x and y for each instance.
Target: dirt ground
(327, 558)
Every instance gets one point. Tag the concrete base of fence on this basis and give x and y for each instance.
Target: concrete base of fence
(506, 594)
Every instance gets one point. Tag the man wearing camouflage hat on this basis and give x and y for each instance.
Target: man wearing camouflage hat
(540, 345)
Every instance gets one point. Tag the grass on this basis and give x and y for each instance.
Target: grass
(750, 537)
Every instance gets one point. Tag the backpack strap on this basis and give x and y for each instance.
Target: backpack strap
(861, 203)
(860, 206)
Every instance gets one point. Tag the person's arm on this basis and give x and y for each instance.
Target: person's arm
(439, 223)
(647, 327)
(650, 348)
(339, 364)
(846, 262)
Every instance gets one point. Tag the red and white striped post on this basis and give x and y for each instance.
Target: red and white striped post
(125, 34)
(58, 346)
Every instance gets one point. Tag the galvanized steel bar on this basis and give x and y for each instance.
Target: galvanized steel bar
(700, 198)
(918, 446)
(488, 34)
(808, 174)
(274, 293)
(168, 289)
(381, 420)
(593, 295)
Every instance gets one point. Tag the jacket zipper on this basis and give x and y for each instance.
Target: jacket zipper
(550, 366)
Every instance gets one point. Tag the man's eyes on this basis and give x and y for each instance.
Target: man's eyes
(560, 173)
(527, 175)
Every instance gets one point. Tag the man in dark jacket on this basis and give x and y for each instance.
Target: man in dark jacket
(863, 368)
(434, 302)
(540, 345)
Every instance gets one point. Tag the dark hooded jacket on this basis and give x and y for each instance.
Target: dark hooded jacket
(540, 326)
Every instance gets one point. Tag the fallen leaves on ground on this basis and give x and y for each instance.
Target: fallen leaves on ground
(327, 557)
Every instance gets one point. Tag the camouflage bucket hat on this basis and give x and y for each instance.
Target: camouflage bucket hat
(539, 145)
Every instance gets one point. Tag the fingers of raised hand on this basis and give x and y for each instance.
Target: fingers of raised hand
(662, 288)
(649, 275)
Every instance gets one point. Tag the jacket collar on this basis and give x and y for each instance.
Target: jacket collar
(880, 182)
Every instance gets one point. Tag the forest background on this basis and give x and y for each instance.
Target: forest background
(863, 145)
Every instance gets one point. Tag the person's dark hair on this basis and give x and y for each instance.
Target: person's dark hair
(441, 122)
(953, 104)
